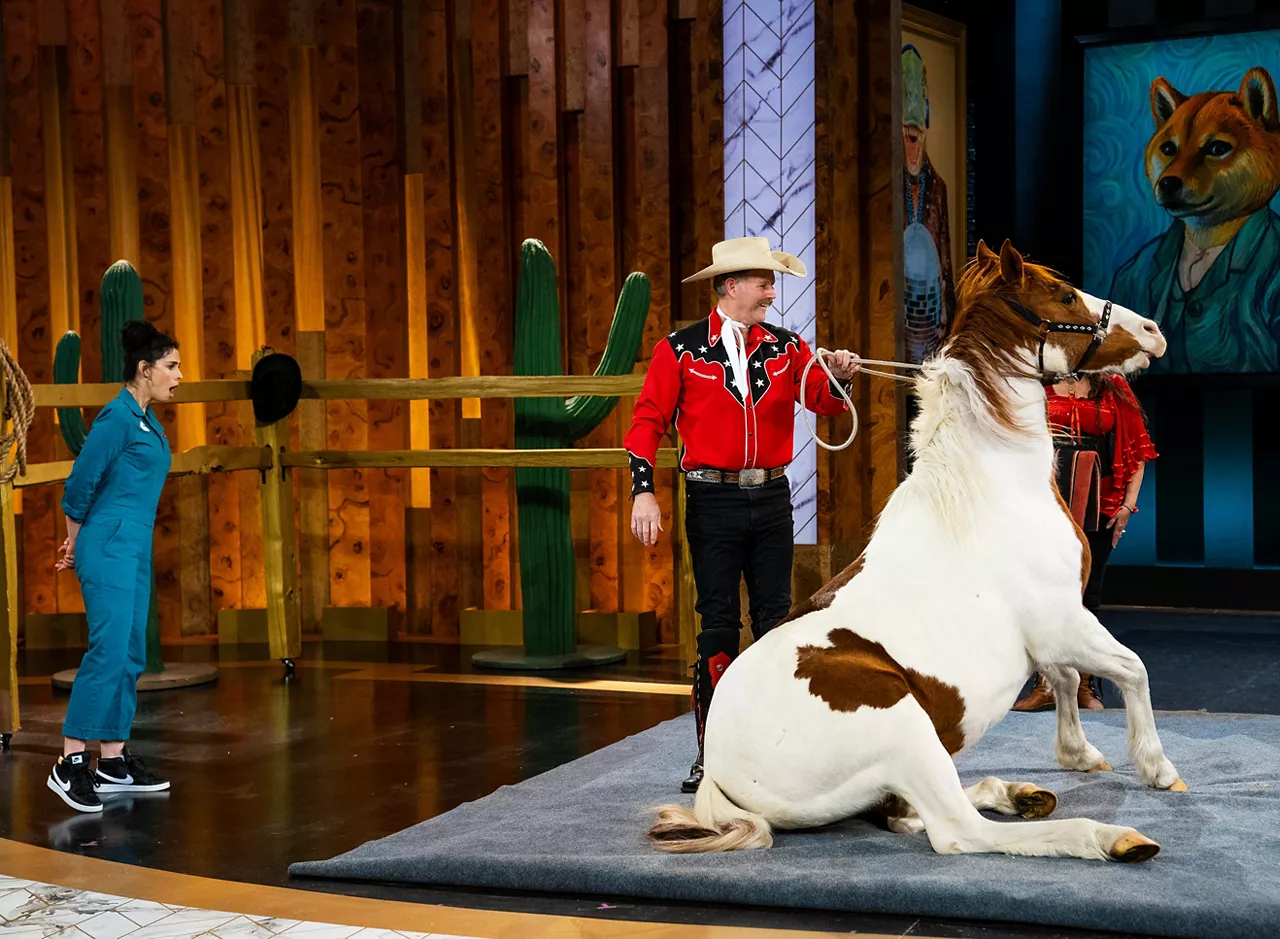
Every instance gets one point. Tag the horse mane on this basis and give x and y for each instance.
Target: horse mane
(966, 389)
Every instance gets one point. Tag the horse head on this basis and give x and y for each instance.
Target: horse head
(1024, 312)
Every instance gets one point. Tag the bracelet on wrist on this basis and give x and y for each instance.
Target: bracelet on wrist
(1133, 509)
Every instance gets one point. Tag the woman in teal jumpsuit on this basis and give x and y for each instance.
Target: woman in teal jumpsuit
(110, 504)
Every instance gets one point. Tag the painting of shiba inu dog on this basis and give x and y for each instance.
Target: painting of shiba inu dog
(1212, 279)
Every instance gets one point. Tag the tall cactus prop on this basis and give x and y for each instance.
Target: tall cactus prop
(120, 300)
(542, 493)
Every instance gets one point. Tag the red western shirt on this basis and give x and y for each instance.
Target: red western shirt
(690, 382)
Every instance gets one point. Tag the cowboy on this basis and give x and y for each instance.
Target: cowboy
(730, 384)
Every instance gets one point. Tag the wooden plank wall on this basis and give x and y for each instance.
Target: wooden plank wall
(591, 124)
(857, 85)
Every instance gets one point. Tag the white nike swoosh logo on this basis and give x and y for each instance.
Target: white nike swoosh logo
(125, 781)
(65, 786)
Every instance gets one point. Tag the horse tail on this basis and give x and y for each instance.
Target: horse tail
(714, 824)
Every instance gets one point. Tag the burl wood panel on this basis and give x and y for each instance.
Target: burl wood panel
(839, 237)
(35, 351)
(495, 241)
(384, 296)
(652, 254)
(271, 72)
(93, 250)
(883, 168)
(146, 40)
(344, 253)
(859, 218)
(219, 296)
(60, 228)
(596, 293)
(435, 543)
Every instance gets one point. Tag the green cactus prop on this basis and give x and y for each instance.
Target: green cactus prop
(120, 300)
(542, 493)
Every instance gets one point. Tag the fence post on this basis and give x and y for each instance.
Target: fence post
(280, 549)
(9, 716)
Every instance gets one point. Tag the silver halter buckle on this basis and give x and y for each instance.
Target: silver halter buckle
(752, 478)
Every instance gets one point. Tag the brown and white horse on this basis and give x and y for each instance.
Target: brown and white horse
(972, 580)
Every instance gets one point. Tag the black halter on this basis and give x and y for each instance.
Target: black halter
(1097, 330)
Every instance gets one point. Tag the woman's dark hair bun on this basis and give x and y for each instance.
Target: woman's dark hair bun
(143, 343)
(137, 333)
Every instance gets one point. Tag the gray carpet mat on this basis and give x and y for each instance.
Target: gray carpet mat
(580, 829)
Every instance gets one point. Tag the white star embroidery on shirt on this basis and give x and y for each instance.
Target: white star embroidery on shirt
(759, 382)
(644, 485)
(775, 348)
(756, 365)
(680, 348)
(702, 348)
(640, 470)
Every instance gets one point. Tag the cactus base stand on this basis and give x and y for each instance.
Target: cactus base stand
(175, 675)
(515, 657)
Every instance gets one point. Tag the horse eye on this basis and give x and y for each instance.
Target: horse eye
(1069, 299)
(1169, 148)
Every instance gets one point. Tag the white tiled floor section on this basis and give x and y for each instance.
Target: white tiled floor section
(30, 910)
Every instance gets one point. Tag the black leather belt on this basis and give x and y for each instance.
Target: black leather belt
(744, 479)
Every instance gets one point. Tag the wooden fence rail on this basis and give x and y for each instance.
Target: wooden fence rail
(196, 461)
(367, 389)
(614, 458)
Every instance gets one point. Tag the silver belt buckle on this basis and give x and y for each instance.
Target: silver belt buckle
(752, 478)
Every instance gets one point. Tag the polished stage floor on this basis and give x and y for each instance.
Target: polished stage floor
(368, 739)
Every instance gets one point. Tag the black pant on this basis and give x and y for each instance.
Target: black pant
(733, 533)
(1100, 553)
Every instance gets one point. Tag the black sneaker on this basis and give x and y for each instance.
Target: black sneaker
(127, 773)
(71, 780)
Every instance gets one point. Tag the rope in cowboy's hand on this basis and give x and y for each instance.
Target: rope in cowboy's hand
(20, 408)
(820, 356)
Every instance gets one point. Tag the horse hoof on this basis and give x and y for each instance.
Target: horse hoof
(1103, 767)
(1178, 786)
(1133, 848)
(1034, 802)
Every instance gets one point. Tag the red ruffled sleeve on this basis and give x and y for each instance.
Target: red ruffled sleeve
(1133, 445)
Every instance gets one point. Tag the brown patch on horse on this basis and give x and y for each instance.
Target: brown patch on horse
(1086, 556)
(824, 597)
(854, 672)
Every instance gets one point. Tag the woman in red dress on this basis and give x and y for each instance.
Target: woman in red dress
(1096, 414)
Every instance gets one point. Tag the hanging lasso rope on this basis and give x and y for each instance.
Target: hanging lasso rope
(19, 407)
(820, 357)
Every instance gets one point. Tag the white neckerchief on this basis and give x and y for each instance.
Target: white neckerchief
(734, 336)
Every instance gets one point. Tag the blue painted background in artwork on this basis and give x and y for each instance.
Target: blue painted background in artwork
(1120, 213)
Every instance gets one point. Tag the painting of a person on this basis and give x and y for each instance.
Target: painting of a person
(930, 289)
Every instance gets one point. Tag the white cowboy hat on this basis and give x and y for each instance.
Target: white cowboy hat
(748, 254)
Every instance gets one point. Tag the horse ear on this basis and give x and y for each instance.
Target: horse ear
(985, 255)
(1010, 264)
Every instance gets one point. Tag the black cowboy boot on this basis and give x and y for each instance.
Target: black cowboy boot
(716, 649)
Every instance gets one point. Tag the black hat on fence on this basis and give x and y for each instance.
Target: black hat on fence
(276, 386)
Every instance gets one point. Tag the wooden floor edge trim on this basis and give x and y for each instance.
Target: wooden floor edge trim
(84, 873)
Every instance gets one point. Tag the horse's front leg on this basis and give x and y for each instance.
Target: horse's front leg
(1071, 748)
(1098, 652)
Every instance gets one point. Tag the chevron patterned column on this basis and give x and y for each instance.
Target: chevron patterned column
(769, 175)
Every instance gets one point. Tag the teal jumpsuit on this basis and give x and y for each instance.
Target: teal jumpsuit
(113, 491)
